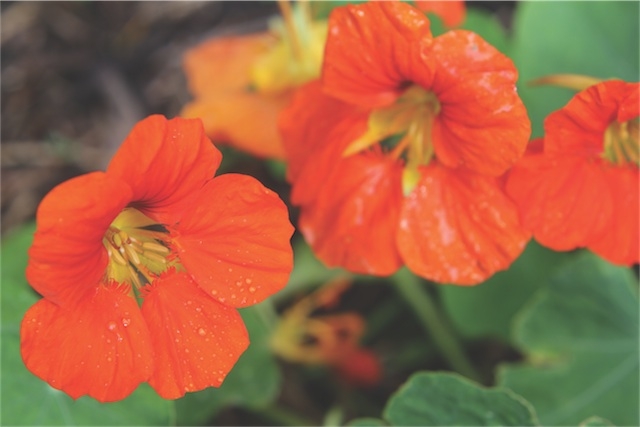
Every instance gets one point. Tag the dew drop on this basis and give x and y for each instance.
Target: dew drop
(126, 322)
(248, 281)
(111, 326)
(239, 283)
(233, 296)
(198, 309)
(202, 332)
(252, 289)
(220, 379)
(109, 359)
(214, 292)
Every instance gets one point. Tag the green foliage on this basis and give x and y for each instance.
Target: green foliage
(445, 399)
(595, 38)
(254, 381)
(581, 338)
(26, 400)
(488, 309)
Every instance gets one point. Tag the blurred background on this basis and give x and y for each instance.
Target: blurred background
(76, 77)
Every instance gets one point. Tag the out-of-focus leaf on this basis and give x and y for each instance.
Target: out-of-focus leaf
(596, 38)
(581, 338)
(308, 271)
(253, 382)
(444, 399)
(596, 422)
(366, 422)
(26, 400)
(487, 309)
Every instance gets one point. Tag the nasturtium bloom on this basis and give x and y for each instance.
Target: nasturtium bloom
(396, 154)
(578, 187)
(333, 340)
(241, 83)
(142, 268)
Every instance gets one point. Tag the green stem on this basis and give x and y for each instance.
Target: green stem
(280, 416)
(434, 322)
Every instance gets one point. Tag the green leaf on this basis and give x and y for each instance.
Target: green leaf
(596, 422)
(595, 38)
(581, 338)
(444, 399)
(487, 309)
(26, 400)
(253, 382)
(366, 422)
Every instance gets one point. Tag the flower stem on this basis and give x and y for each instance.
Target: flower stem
(434, 322)
(277, 415)
(289, 23)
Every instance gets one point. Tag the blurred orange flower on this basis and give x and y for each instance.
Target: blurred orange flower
(241, 83)
(452, 12)
(328, 339)
(159, 229)
(579, 186)
(396, 155)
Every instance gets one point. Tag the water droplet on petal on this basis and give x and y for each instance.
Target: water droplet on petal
(126, 322)
(248, 281)
(252, 289)
(202, 332)
(111, 326)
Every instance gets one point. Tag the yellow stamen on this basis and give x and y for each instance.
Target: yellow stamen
(152, 246)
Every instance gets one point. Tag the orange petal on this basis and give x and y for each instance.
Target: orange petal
(372, 50)
(352, 222)
(483, 124)
(565, 201)
(235, 240)
(67, 258)
(165, 162)
(100, 348)
(224, 64)
(360, 369)
(573, 202)
(619, 244)
(579, 126)
(245, 120)
(452, 12)
(316, 129)
(458, 227)
(196, 339)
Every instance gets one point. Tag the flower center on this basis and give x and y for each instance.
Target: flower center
(139, 249)
(622, 143)
(405, 129)
(297, 56)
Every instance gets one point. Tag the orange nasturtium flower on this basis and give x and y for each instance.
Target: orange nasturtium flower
(452, 12)
(142, 268)
(241, 83)
(578, 187)
(332, 340)
(395, 156)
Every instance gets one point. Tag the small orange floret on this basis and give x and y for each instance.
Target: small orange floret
(157, 228)
(579, 186)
